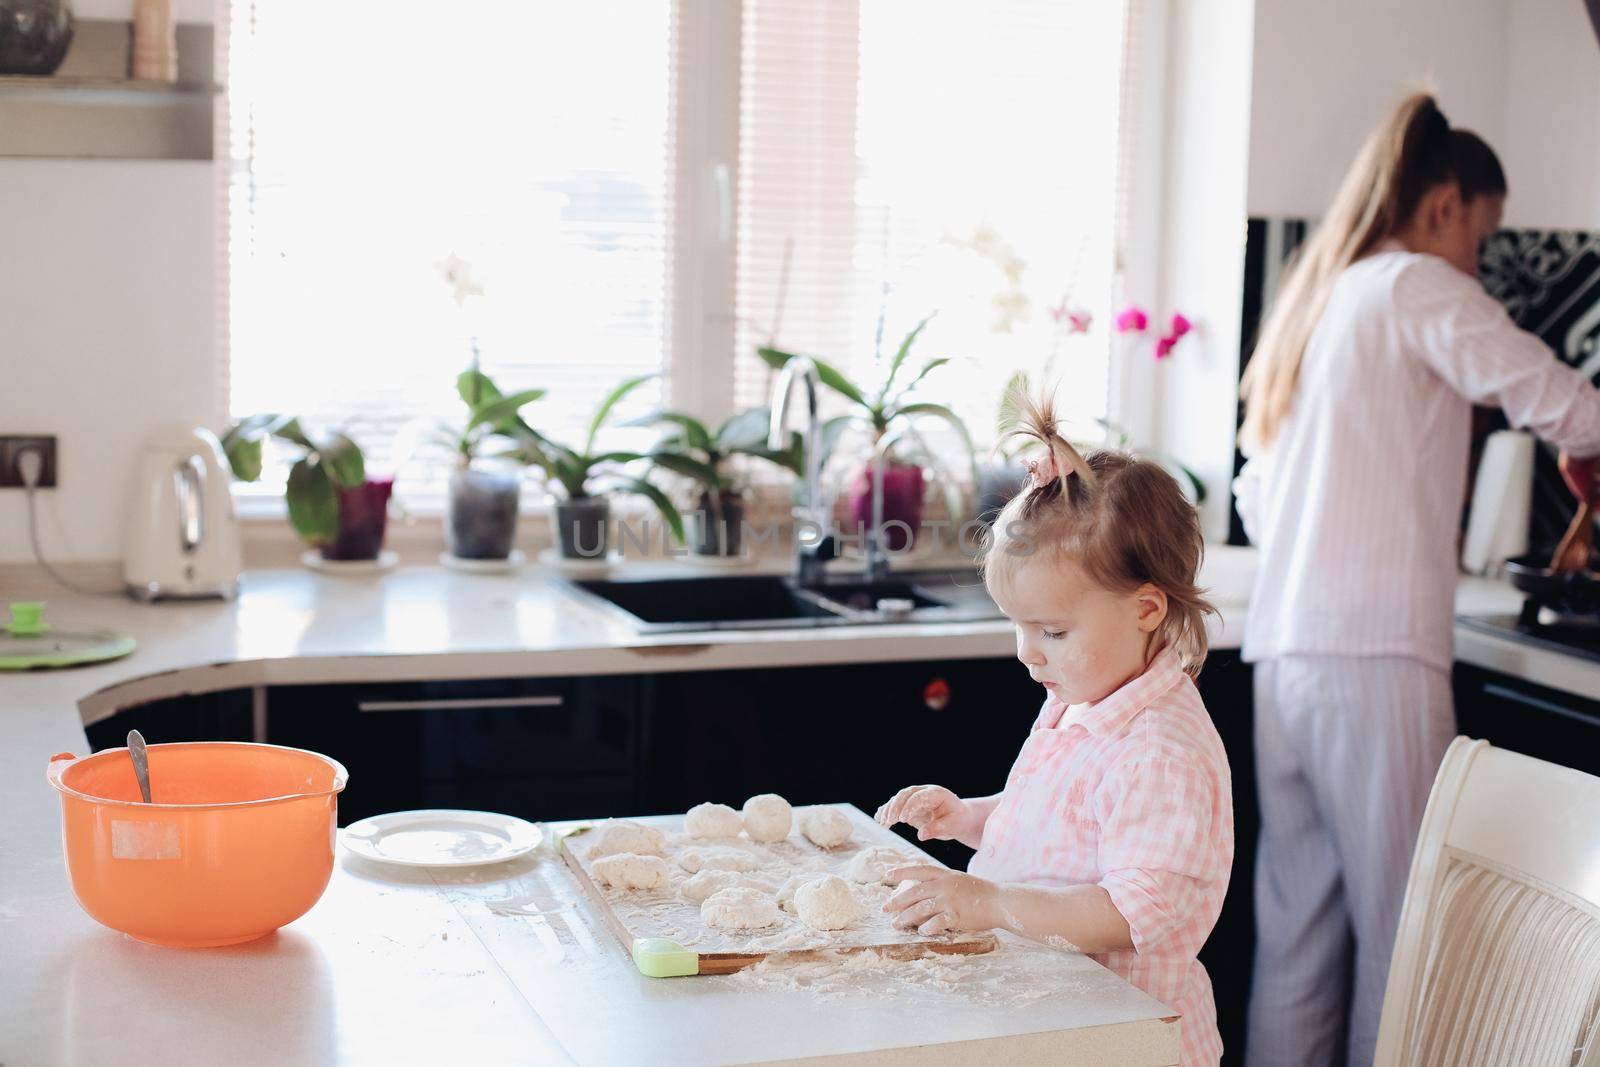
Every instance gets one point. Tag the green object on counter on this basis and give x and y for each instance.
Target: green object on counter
(27, 618)
(28, 643)
(662, 957)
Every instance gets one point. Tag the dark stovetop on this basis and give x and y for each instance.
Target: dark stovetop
(1578, 637)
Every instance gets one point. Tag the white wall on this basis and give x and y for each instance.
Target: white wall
(106, 294)
(1551, 141)
(1525, 74)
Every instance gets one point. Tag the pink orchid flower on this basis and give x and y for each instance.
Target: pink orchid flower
(1164, 346)
(1132, 319)
(1180, 325)
(1078, 321)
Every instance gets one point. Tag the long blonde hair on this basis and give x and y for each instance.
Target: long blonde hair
(1121, 518)
(1411, 152)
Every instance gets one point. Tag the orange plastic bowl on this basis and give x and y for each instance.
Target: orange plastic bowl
(238, 841)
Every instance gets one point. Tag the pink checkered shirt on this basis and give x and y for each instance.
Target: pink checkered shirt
(1131, 794)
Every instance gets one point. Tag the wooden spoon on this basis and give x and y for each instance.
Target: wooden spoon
(1572, 554)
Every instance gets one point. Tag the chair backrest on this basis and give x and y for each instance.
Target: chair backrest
(1497, 961)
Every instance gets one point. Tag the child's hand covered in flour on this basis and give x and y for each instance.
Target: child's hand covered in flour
(937, 814)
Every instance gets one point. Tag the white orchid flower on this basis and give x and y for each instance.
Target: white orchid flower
(457, 273)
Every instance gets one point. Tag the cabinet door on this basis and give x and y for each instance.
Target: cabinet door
(224, 716)
(1534, 720)
(853, 733)
(537, 748)
(1226, 686)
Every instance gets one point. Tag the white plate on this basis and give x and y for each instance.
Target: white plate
(441, 837)
(386, 561)
(484, 566)
(552, 558)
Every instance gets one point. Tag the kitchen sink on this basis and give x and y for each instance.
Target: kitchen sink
(710, 603)
(865, 595)
(745, 602)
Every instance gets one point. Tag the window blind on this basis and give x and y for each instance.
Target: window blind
(367, 142)
(905, 157)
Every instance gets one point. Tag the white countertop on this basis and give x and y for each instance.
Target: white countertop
(508, 965)
(512, 968)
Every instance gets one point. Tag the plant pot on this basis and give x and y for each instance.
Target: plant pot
(363, 517)
(997, 484)
(34, 35)
(718, 532)
(902, 503)
(481, 513)
(582, 527)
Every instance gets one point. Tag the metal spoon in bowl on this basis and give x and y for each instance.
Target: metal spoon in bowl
(141, 762)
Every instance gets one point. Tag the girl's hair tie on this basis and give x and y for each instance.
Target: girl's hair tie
(1043, 470)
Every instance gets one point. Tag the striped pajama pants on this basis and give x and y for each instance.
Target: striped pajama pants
(1346, 752)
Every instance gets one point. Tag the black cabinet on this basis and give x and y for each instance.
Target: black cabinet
(224, 716)
(852, 733)
(1226, 686)
(555, 748)
(1544, 723)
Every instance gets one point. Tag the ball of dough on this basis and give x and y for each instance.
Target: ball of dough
(700, 885)
(712, 820)
(827, 903)
(825, 827)
(792, 886)
(872, 865)
(628, 870)
(714, 858)
(625, 835)
(767, 817)
(739, 908)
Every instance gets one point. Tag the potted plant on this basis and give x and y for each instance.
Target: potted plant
(585, 480)
(485, 485)
(892, 408)
(695, 452)
(334, 505)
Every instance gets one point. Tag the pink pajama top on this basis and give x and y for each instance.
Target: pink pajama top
(1131, 794)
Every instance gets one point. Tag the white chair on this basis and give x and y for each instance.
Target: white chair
(1497, 962)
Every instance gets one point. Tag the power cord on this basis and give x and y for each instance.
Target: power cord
(30, 464)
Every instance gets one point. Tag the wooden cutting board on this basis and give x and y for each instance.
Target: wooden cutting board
(666, 938)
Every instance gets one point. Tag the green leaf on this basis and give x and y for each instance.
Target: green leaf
(932, 364)
(826, 374)
(341, 458)
(608, 403)
(501, 414)
(1010, 410)
(954, 422)
(900, 357)
(614, 457)
(252, 428)
(745, 431)
(695, 434)
(703, 473)
(313, 502)
(669, 513)
(290, 431)
(244, 456)
(832, 431)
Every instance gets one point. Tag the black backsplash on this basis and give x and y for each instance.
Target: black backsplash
(1549, 281)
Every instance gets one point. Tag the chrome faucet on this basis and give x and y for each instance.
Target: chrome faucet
(813, 550)
(877, 552)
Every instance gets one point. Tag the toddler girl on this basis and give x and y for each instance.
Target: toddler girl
(1114, 833)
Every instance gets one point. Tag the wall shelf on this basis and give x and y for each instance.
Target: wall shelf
(89, 109)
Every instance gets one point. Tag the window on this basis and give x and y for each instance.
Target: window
(905, 157)
(894, 158)
(372, 140)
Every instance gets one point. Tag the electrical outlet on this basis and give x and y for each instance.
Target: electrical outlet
(13, 446)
